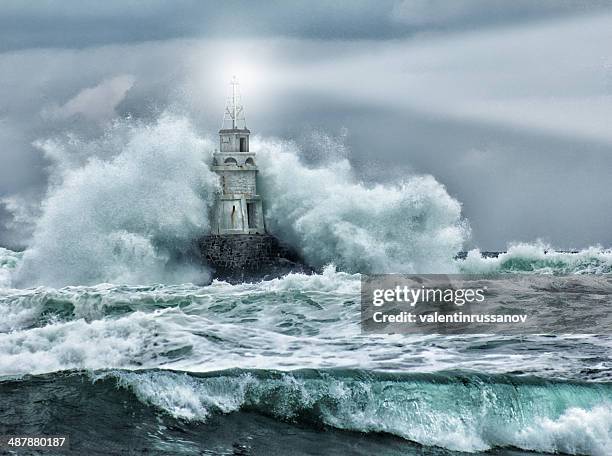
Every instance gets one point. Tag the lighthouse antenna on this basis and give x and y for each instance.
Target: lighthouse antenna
(234, 84)
(234, 111)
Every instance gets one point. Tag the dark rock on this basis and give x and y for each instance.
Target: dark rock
(249, 257)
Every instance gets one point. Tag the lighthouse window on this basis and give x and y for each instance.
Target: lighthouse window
(250, 161)
(243, 147)
(230, 161)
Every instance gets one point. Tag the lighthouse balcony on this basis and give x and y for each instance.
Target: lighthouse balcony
(231, 131)
(232, 160)
(237, 196)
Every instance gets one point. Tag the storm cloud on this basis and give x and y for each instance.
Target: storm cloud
(506, 103)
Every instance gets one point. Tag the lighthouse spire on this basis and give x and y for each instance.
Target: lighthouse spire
(234, 111)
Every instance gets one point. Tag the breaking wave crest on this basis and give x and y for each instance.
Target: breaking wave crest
(539, 258)
(411, 227)
(462, 412)
(122, 208)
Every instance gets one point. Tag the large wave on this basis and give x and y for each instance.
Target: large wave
(462, 412)
(412, 227)
(126, 207)
(122, 207)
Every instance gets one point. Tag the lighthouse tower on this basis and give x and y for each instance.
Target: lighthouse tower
(239, 208)
(238, 247)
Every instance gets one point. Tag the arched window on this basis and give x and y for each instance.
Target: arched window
(249, 161)
(230, 161)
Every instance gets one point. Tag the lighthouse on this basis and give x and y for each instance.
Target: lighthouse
(238, 248)
(239, 209)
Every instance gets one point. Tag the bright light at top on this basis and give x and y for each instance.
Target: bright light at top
(251, 63)
(249, 76)
(249, 73)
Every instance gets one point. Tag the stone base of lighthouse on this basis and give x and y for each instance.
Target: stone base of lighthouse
(249, 257)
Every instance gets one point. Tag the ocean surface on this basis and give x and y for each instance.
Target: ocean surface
(281, 367)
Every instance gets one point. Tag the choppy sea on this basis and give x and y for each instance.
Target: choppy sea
(281, 367)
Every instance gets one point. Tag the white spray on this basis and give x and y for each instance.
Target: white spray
(413, 226)
(121, 207)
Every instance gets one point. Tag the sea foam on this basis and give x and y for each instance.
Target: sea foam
(539, 258)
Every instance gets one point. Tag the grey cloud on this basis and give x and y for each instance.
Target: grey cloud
(95, 103)
(79, 24)
(481, 12)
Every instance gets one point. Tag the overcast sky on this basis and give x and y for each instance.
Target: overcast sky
(507, 103)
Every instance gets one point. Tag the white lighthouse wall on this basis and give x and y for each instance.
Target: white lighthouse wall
(239, 181)
(232, 215)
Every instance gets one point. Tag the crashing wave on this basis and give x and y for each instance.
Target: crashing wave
(125, 208)
(539, 258)
(457, 411)
(414, 226)
(121, 208)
